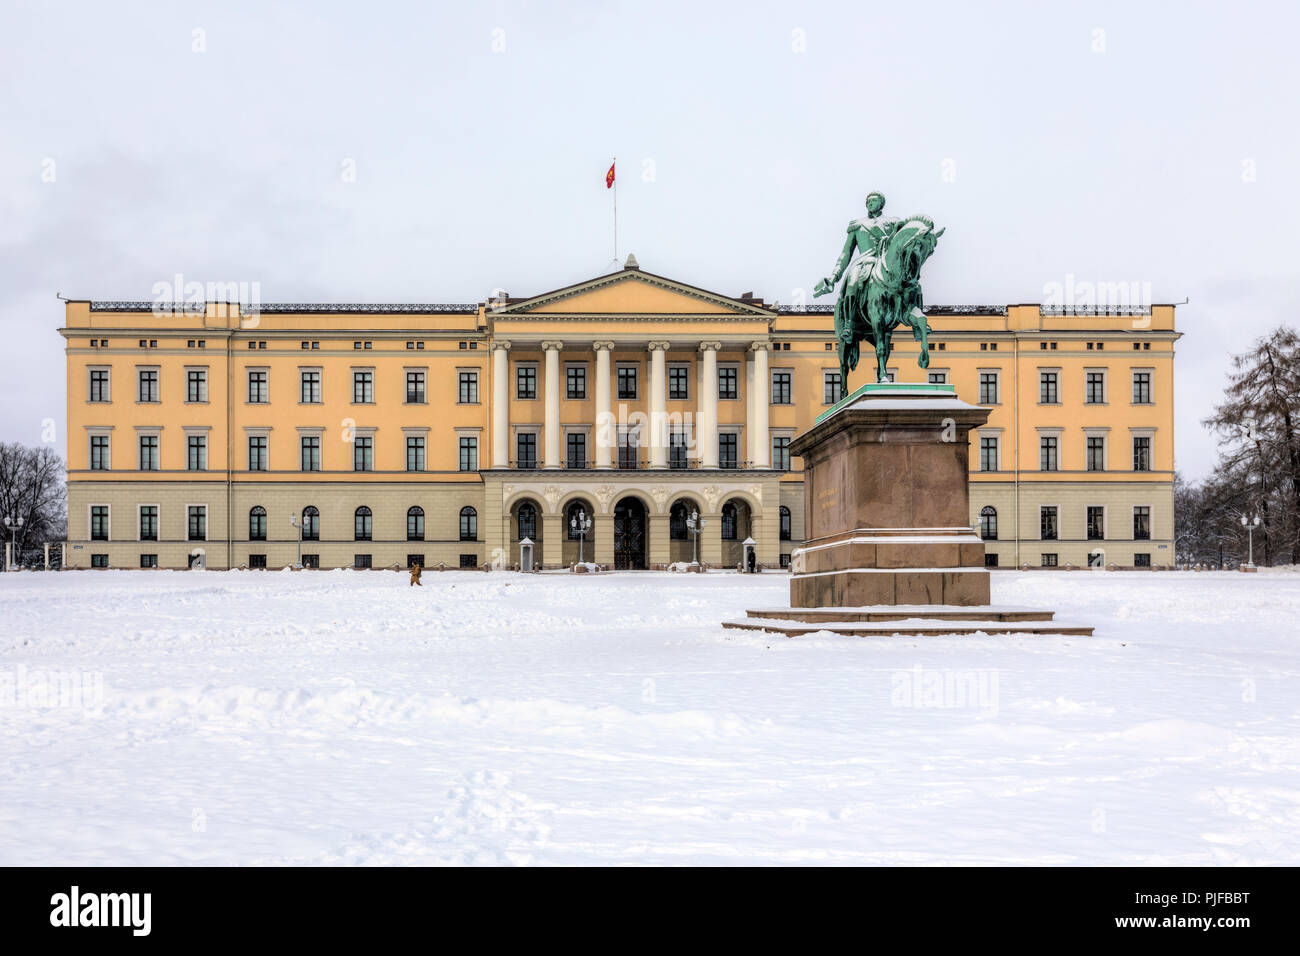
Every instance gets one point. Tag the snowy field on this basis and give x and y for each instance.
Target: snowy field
(342, 717)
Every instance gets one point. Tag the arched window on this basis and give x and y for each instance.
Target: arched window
(571, 521)
(527, 520)
(363, 524)
(989, 523)
(415, 523)
(677, 516)
(257, 524)
(468, 524)
(729, 522)
(310, 523)
(785, 523)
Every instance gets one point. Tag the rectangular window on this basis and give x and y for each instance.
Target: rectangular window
(467, 388)
(149, 453)
(1141, 388)
(1096, 523)
(781, 381)
(148, 522)
(361, 561)
(415, 453)
(257, 453)
(99, 522)
(198, 522)
(677, 457)
(679, 382)
(781, 452)
(1048, 390)
(196, 385)
(526, 381)
(415, 559)
(1141, 453)
(1095, 390)
(1142, 560)
(1047, 522)
(727, 457)
(311, 560)
(99, 560)
(1096, 458)
(937, 378)
(988, 453)
(990, 560)
(628, 449)
(148, 385)
(257, 562)
(627, 381)
(309, 394)
(258, 391)
(526, 450)
(363, 388)
(415, 387)
(576, 447)
(148, 561)
(575, 387)
(99, 456)
(1049, 560)
(363, 453)
(468, 453)
(196, 452)
(99, 385)
(832, 388)
(1048, 457)
(727, 382)
(310, 453)
(1141, 523)
(988, 388)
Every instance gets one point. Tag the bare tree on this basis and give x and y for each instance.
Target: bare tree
(32, 488)
(1258, 425)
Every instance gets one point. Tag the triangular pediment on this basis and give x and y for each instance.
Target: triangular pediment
(631, 291)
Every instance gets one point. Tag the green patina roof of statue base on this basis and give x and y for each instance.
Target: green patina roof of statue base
(886, 389)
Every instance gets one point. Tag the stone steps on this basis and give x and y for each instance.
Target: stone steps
(907, 621)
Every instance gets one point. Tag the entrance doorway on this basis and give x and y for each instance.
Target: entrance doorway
(629, 535)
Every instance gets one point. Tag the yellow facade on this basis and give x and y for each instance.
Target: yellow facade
(607, 384)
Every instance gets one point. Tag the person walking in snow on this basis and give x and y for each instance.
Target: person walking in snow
(415, 575)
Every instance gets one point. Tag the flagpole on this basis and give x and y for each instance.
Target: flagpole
(614, 166)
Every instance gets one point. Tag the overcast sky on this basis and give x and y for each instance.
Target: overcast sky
(406, 152)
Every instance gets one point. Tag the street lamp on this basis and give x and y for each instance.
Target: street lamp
(293, 520)
(580, 524)
(1250, 524)
(14, 527)
(695, 524)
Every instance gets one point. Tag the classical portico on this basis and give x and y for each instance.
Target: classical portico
(631, 392)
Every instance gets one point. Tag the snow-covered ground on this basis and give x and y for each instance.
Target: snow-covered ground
(342, 717)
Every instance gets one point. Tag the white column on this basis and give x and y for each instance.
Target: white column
(750, 402)
(606, 433)
(552, 436)
(658, 405)
(759, 411)
(707, 416)
(500, 404)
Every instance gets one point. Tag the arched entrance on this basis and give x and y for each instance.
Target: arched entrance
(525, 522)
(629, 535)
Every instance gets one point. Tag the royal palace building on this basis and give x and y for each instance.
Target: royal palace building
(376, 435)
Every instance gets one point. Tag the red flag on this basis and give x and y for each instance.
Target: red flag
(609, 177)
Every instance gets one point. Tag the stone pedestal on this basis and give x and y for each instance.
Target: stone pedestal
(886, 502)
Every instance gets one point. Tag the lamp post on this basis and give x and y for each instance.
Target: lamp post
(293, 520)
(1250, 524)
(580, 524)
(14, 527)
(695, 524)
